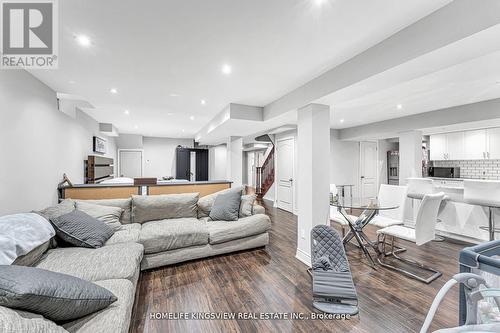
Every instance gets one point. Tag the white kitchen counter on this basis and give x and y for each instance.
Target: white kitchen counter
(459, 219)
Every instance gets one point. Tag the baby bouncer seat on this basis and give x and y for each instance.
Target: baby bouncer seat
(333, 289)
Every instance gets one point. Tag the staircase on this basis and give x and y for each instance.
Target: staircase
(265, 175)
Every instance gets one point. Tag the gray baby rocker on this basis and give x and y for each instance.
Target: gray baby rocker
(479, 312)
(333, 288)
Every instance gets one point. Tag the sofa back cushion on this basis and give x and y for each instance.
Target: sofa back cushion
(125, 204)
(161, 207)
(107, 214)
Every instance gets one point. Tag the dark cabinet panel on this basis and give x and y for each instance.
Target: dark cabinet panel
(201, 164)
(183, 164)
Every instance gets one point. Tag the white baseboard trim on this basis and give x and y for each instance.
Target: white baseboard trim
(303, 257)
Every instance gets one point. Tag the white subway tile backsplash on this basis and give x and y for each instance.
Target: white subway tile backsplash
(485, 169)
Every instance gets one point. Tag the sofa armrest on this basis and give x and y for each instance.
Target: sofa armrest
(258, 209)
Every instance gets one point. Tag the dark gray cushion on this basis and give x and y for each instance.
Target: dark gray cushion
(56, 296)
(80, 229)
(226, 206)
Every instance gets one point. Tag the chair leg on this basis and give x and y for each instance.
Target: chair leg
(414, 263)
(398, 249)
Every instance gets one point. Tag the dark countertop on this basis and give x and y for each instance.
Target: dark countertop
(160, 184)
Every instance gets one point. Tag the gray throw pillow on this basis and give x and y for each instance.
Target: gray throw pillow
(82, 230)
(205, 203)
(56, 296)
(226, 207)
(109, 215)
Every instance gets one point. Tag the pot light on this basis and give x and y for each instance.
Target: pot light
(319, 2)
(83, 40)
(399, 106)
(192, 117)
(113, 91)
(226, 69)
(170, 114)
(71, 81)
(341, 121)
(203, 102)
(136, 126)
(174, 95)
(183, 131)
(127, 112)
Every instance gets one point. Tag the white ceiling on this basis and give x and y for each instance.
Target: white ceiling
(151, 50)
(465, 72)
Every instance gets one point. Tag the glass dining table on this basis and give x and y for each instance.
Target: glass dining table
(369, 208)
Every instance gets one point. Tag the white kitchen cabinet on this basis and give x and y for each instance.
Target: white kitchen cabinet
(493, 140)
(438, 147)
(455, 146)
(475, 145)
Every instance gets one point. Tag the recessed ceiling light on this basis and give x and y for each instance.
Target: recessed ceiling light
(226, 69)
(170, 114)
(203, 102)
(136, 126)
(71, 82)
(127, 112)
(113, 91)
(183, 131)
(399, 106)
(341, 121)
(83, 40)
(192, 117)
(319, 2)
(174, 95)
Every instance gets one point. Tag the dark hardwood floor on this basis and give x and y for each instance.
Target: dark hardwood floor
(271, 280)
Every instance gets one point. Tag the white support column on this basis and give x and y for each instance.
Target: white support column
(313, 149)
(410, 155)
(234, 166)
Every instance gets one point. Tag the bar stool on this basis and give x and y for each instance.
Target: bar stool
(484, 193)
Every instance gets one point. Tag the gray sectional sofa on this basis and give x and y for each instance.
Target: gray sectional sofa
(155, 231)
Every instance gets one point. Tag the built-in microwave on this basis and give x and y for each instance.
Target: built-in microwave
(441, 172)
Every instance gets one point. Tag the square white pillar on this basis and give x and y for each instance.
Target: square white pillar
(313, 149)
(234, 165)
(410, 155)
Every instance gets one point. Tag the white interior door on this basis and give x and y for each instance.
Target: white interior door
(368, 170)
(285, 156)
(131, 163)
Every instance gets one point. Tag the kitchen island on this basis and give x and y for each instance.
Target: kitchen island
(457, 218)
(125, 190)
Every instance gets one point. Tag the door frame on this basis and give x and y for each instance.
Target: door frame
(130, 150)
(360, 168)
(292, 138)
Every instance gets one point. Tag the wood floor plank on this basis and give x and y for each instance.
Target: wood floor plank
(271, 279)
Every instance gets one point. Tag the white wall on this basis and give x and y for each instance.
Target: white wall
(38, 143)
(344, 163)
(217, 159)
(129, 141)
(159, 155)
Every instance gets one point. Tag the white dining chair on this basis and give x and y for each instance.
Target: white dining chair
(391, 195)
(335, 216)
(424, 232)
(484, 193)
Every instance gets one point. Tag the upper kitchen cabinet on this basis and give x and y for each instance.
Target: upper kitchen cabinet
(493, 139)
(455, 146)
(438, 147)
(475, 145)
(449, 146)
